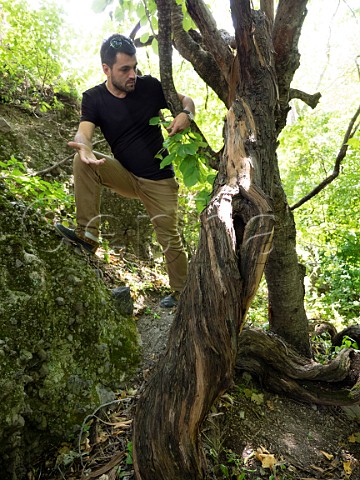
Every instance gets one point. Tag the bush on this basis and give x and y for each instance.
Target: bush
(33, 55)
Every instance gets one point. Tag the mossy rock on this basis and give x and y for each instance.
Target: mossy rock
(64, 347)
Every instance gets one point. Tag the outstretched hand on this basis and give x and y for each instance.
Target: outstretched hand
(86, 154)
(179, 124)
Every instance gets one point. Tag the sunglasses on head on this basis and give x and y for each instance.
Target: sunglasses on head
(117, 43)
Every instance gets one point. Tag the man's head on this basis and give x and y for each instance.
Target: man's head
(113, 45)
(118, 57)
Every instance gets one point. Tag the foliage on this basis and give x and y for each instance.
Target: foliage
(143, 12)
(324, 350)
(49, 198)
(327, 225)
(34, 52)
(186, 152)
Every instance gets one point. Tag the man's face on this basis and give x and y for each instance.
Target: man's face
(122, 75)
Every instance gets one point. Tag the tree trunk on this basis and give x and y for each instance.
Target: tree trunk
(284, 274)
(235, 239)
(285, 279)
(198, 364)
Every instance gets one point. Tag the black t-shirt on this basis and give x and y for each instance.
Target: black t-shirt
(124, 123)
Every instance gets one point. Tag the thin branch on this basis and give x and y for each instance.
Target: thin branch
(134, 31)
(290, 15)
(350, 132)
(60, 162)
(311, 100)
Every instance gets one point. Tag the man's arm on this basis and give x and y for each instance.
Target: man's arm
(83, 143)
(182, 120)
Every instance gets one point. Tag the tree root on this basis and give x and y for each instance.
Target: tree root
(282, 370)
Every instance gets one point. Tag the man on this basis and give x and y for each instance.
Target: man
(122, 107)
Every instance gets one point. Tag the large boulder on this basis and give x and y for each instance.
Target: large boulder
(64, 346)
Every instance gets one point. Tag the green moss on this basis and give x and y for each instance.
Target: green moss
(62, 341)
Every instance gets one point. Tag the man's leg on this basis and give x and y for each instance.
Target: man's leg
(88, 181)
(160, 198)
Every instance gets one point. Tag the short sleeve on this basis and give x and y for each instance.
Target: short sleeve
(89, 112)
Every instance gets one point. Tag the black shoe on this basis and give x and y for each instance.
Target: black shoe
(77, 238)
(170, 301)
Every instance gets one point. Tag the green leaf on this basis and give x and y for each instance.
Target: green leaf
(129, 458)
(154, 121)
(154, 23)
(190, 170)
(140, 10)
(167, 160)
(99, 6)
(143, 20)
(155, 46)
(211, 178)
(187, 23)
(202, 199)
(354, 142)
(145, 37)
(187, 149)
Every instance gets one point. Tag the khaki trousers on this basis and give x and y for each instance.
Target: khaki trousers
(160, 199)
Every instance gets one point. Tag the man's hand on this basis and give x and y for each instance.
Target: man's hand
(86, 154)
(179, 124)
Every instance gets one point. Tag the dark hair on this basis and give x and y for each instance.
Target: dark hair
(113, 45)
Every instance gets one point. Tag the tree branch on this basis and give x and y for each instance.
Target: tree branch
(350, 132)
(311, 100)
(267, 6)
(212, 38)
(60, 162)
(191, 46)
(165, 56)
(134, 31)
(289, 19)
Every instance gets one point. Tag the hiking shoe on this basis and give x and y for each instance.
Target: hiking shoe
(170, 301)
(77, 238)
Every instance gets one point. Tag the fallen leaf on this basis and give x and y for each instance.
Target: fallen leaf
(354, 437)
(327, 455)
(267, 459)
(318, 469)
(257, 398)
(347, 468)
